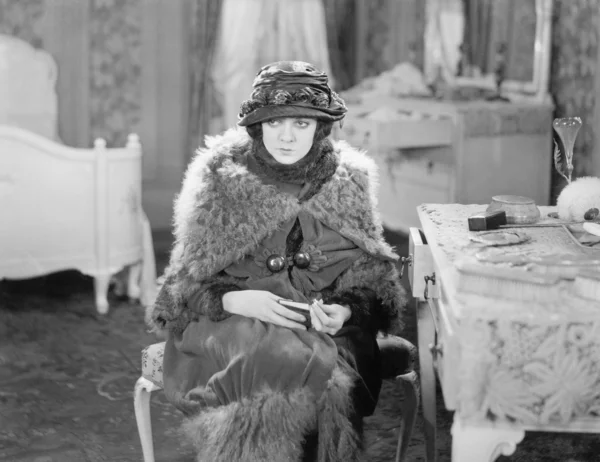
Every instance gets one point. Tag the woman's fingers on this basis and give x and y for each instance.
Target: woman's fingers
(289, 314)
(328, 309)
(316, 323)
(285, 322)
(320, 314)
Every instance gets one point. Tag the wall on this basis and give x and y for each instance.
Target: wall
(114, 59)
(23, 19)
(115, 69)
(122, 69)
(575, 77)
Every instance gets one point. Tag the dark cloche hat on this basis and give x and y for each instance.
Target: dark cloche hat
(291, 89)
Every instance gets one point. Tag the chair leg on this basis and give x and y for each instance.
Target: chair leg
(410, 407)
(426, 335)
(141, 404)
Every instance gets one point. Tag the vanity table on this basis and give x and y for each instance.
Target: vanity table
(505, 366)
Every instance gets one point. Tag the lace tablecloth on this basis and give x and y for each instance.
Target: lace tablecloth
(534, 363)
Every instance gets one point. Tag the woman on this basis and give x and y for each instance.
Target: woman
(278, 212)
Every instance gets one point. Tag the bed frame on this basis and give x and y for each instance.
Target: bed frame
(62, 207)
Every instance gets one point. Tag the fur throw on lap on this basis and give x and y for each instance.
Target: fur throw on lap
(277, 423)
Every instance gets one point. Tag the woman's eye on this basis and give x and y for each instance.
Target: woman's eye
(302, 123)
(273, 122)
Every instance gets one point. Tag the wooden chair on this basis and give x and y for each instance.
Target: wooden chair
(397, 354)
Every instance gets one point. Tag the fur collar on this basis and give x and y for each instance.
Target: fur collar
(224, 211)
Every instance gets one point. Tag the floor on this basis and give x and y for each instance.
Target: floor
(67, 375)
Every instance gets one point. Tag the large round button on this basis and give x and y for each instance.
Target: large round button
(302, 260)
(275, 263)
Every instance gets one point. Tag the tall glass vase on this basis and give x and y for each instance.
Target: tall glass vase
(567, 129)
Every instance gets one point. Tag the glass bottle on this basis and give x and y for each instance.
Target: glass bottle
(567, 129)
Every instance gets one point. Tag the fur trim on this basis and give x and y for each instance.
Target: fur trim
(338, 440)
(382, 277)
(273, 425)
(210, 300)
(361, 302)
(168, 315)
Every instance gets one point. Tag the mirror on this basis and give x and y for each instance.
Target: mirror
(483, 43)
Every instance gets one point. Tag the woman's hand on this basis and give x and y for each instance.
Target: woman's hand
(328, 318)
(262, 305)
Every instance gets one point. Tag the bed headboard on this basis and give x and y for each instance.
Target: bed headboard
(28, 87)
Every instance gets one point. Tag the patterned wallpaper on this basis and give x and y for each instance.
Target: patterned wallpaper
(115, 69)
(379, 29)
(521, 40)
(575, 40)
(23, 19)
(115, 59)
(377, 37)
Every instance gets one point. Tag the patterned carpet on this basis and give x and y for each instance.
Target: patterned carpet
(67, 375)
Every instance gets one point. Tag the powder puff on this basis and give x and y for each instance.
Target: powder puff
(580, 200)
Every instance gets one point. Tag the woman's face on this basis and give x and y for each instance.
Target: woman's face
(289, 139)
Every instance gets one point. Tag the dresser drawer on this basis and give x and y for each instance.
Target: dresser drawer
(406, 133)
(427, 167)
(446, 353)
(420, 265)
(406, 184)
(445, 348)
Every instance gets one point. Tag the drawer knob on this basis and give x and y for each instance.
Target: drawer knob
(430, 167)
(405, 261)
(436, 350)
(427, 279)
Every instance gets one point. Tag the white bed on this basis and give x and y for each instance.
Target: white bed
(61, 207)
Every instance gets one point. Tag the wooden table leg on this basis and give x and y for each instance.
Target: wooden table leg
(481, 444)
(426, 338)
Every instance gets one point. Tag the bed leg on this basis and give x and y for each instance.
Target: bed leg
(133, 281)
(101, 291)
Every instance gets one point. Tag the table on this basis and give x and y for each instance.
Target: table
(505, 366)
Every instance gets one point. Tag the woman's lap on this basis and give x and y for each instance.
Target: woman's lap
(230, 360)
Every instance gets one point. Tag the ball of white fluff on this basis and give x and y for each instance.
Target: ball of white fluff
(578, 197)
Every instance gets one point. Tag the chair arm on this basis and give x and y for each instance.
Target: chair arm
(397, 356)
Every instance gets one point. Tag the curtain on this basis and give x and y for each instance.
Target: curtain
(253, 33)
(341, 36)
(477, 33)
(445, 26)
(205, 17)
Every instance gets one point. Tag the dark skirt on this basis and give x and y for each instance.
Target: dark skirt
(360, 349)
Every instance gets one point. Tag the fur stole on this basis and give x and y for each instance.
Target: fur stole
(224, 212)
